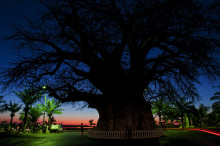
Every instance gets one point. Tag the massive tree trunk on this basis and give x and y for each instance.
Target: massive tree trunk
(123, 106)
(125, 115)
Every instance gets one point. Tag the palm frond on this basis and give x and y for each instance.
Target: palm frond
(215, 97)
(216, 105)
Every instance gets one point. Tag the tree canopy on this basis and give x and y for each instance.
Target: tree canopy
(51, 107)
(87, 50)
(12, 108)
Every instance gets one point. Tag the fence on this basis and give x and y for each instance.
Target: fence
(138, 134)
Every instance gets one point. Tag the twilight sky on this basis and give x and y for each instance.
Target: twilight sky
(15, 11)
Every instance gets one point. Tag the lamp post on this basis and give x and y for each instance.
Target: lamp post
(44, 87)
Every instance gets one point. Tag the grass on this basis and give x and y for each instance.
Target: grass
(173, 137)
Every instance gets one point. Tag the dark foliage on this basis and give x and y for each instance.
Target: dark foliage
(86, 50)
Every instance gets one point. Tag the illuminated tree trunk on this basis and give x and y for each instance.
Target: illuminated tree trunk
(125, 116)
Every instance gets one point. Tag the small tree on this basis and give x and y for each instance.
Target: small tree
(91, 122)
(12, 108)
(2, 109)
(192, 115)
(5, 125)
(203, 114)
(214, 116)
(158, 108)
(35, 113)
(183, 107)
(28, 97)
(21, 118)
(52, 107)
(212, 119)
(216, 105)
(170, 113)
(53, 120)
(1, 100)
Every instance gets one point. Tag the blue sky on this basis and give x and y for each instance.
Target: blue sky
(16, 11)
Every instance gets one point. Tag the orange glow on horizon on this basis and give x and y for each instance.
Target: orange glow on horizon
(64, 121)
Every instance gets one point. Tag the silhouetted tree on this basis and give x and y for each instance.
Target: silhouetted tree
(216, 105)
(203, 114)
(183, 107)
(12, 108)
(2, 109)
(170, 113)
(192, 114)
(1, 101)
(91, 122)
(108, 52)
(28, 97)
(213, 119)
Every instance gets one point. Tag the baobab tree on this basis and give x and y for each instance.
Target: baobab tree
(107, 53)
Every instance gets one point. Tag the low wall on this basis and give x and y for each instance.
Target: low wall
(137, 134)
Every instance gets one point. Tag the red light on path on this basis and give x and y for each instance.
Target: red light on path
(208, 131)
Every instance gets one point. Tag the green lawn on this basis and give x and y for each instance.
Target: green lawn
(173, 137)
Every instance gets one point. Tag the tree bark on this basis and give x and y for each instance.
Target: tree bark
(125, 115)
(160, 119)
(182, 120)
(11, 120)
(25, 118)
(49, 119)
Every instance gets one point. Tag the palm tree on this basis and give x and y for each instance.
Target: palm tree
(28, 97)
(158, 107)
(1, 101)
(52, 107)
(170, 114)
(21, 118)
(216, 105)
(91, 122)
(192, 114)
(35, 113)
(52, 120)
(13, 108)
(203, 114)
(183, 107)
(2, 109)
